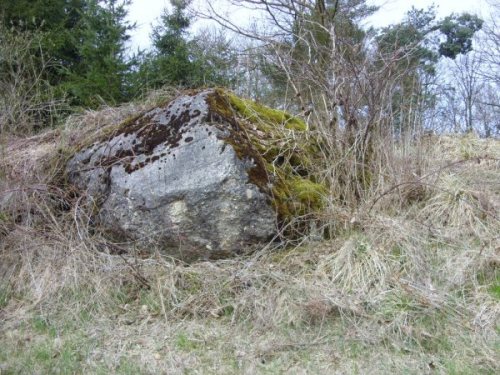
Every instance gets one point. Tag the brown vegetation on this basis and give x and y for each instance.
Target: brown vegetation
(403, 279)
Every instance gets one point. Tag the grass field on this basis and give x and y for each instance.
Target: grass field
(409, 282)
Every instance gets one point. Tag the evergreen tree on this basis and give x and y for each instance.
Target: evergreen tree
(83, 39)
(179, 59)
(57, 20)
(27, 100)
(102, 70)
(172, 63)
(459, 31)
(415, 46)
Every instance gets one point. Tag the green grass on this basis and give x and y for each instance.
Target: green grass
(40, 347)
(490, 277)
(184, 343)
(5, 295)
(494, 287)
(43, 326)
(37, 352)
(494, 290)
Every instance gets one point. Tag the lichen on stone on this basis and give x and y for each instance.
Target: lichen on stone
(277, 146)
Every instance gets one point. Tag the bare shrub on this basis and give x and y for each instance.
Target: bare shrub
(411, 277)
(27, 100)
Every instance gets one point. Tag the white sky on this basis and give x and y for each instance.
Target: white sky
(146, 12)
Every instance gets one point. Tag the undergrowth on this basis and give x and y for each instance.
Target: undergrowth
(406, 280)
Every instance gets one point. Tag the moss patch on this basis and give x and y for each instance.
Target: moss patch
(265, 116)
(279, 145)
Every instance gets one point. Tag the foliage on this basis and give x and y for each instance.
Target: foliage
(172, 58)
(311, 42)
(409, 38)
(409, 49)
(84, 41)
(78, 54)
(459, 31)
(100, 74)
(27, 99)
(59, 20)
(416, 35)
(214, 57)
(415, 45)
(178, 58)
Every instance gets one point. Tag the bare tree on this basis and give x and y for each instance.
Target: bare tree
(27, 100)
(469, 84)
(489, 101)
(330, 72)
(471, 101)
(490, 45)
(488, 110)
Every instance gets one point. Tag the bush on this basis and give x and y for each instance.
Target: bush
(27, 101)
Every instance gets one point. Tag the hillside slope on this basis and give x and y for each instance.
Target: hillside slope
(408, 281)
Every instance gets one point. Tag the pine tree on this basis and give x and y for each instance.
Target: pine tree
(171, 63)
(415, 49)
(102, 69)
(83, 39)
(179, 59)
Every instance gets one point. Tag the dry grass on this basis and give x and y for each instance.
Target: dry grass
(408, 284)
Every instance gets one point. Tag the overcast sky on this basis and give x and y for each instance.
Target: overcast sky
(146, 12)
